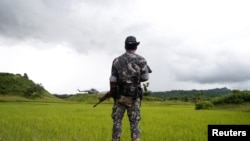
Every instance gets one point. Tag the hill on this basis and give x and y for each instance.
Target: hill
(18, 85)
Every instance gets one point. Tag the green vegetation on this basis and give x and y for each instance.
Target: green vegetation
(16, 84)
(204, 105)
(236, 97)
(28, 112)
(191, 95)
(88, 98)
(62, 120)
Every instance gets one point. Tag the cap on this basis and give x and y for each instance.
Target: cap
(131, 40)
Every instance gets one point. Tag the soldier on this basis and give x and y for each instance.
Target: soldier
(127, 73)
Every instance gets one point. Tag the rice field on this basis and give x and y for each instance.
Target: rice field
(75, 121)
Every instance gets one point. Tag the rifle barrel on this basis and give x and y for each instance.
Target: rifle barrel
(102, 99)
(96, 104)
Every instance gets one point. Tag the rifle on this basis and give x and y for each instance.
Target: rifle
(106, 96)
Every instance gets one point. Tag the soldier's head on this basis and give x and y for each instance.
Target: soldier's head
(131, 43)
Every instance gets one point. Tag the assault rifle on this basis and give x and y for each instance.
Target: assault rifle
(106, 96)
(114, 91)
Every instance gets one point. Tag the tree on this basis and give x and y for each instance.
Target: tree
(34, 91)
(25, 75)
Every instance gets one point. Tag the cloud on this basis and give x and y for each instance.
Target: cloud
(83, 25)
(215, 63)
(188, 44)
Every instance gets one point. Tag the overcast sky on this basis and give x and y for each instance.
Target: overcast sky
(70, 44)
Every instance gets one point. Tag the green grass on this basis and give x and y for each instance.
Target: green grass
(75, 121)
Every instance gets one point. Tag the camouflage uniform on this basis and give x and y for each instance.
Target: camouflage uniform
(127, 70)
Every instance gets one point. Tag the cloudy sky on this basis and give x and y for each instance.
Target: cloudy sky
(70, 44)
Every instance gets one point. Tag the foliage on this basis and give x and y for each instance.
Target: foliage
(151, 98)
(71, 121)
(88, 98)
(63, 96)
(204, 105)
(16, 84)
(191, 95)
(236, 97)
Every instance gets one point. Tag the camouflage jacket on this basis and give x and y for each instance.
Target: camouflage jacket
(128, 69)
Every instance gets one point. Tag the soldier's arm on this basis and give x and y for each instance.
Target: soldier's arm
(145, 73)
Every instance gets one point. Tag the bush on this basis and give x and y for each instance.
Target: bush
(234, 98)
(204, 105)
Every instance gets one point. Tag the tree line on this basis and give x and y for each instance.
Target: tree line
(191, 95)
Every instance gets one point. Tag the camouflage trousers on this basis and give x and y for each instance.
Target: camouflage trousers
(133, 112)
